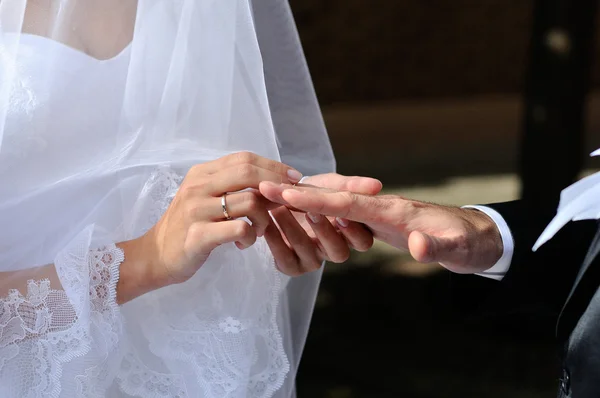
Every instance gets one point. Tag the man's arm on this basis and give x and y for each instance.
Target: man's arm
(465, 241)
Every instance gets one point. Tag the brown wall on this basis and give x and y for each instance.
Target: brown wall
(419, 89)
(377, 50)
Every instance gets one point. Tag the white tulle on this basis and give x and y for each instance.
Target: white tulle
(104, 107)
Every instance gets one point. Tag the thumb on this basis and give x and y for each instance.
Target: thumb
(427, 248)
(424, 248)
(447, 251)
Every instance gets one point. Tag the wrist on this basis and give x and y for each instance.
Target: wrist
(137, 275)
(487, 237)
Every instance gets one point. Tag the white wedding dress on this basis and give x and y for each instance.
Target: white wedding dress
(91, 153)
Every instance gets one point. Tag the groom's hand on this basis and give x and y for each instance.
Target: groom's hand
(462, 240)
(300, 242)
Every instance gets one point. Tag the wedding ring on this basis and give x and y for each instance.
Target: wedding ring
(224, 207)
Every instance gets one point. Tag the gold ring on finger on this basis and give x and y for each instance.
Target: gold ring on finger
(224, 207)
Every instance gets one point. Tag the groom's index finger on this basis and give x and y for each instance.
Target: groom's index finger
(343, 204)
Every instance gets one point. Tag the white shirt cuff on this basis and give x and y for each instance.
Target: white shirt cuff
(498, 270)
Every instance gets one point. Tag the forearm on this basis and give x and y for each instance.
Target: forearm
(17, 280)
(135, 277)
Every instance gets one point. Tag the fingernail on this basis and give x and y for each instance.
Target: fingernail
(342, 222)
(315, 218)
(294, 175)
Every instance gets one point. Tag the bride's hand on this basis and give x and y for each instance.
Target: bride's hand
(195, 223)
(301, 242)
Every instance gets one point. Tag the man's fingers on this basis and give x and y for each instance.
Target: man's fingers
(326, 182)
(346, 205)
(338, 182)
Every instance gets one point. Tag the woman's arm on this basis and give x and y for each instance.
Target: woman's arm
(194, 224)
(135, 277)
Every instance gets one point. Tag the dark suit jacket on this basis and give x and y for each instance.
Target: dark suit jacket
(564, 277)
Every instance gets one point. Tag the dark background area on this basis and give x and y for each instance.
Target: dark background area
(410, 80)
(375, 51)
(419, 93)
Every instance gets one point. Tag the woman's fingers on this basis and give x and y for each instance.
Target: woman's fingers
(332, 243)
(248, 204)
(240, 177)
(300, 242)
(202, 238)
(242, 159)
(357, 235)
(300, 254)
(286, 259)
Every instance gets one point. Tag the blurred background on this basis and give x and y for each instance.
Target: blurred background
(457, 102)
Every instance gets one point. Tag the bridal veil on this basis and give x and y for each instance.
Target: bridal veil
(104, 106)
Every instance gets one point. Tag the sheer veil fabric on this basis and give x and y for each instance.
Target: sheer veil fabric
(104, 106)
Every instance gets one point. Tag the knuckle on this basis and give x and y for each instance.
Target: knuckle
(290, 268)
(253, 239)
(341, 256)
(241, 228)
(244, 157)
(347, 200)
(195, 232)
(246, 171)
(195, 169)
(190, 210)
(252, 201)
(365, 244)
(278, 212)
(313, 265)
(187, 192)
(348, 197)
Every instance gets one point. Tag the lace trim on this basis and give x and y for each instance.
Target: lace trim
(222, 351)
(228, 356)
(40, 332)
(271, 379)
(137, 380)
(227, 352)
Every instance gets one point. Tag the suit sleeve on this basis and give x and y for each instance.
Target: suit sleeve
(541, 280)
